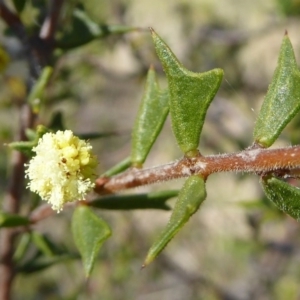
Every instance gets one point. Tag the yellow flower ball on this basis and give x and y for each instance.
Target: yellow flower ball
(63, 170)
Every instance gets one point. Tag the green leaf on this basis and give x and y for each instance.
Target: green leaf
(95, 135)
(57, 121)
(189, 200)
(19, 5)
(30, 134)
(190, 96)
(36, 94)
(154, 200)
(43, 243)
(84, 30)
(118, 168)
(283, 195)
(151, 116)
(22, 246)
(12, 220)
(45, 253)
(289, 7)
(282, 101)
(89, 233)
(40, 263)
(26, 146)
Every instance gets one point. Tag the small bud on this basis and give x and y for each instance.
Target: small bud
(63, 169)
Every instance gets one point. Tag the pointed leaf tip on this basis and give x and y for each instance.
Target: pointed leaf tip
(282, 101)
(150, 119)
(89, 233)
(192, 194)
(190, 95)
(283, 195)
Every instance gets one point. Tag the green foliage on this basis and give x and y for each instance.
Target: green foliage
(37, 252)
(151, 116)
(120, 167)
(36, 95)
(41, 263)
(190, 96)
(89, 233)
(289, 7)
(84, 30)
(57, 122)
(282, 101)
(12, 220)
(154, 200)
(187, 97)
(283, 195)
(33, 136)
(191, 196)
(19, 5)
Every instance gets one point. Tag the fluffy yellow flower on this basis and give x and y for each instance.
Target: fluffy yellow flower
(63, 169)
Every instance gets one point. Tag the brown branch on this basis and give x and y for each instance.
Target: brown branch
(37, 57)
(281, 161)
(12, 20)
(49, 26)
(250, 160)
(11, 204)
(31, 46)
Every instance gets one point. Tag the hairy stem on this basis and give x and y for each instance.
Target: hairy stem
(283, 161)
(258, 161)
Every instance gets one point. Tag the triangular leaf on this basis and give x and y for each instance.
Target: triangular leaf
(282, 101)
(151, 116)
(283, 195)
(89, 233)
(190, 96)
(192, 194)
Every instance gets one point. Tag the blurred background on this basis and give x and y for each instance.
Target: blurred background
(238, 246)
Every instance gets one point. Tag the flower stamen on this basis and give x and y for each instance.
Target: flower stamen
(63, 169)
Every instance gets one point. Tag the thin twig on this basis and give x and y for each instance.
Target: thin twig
(49, 26)
(12, 20)
(30, 46)
(282, 161)
(38, 54)
(250, 160)
(12, 198)
(11, 204)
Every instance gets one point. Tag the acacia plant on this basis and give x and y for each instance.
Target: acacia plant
(61, 167)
